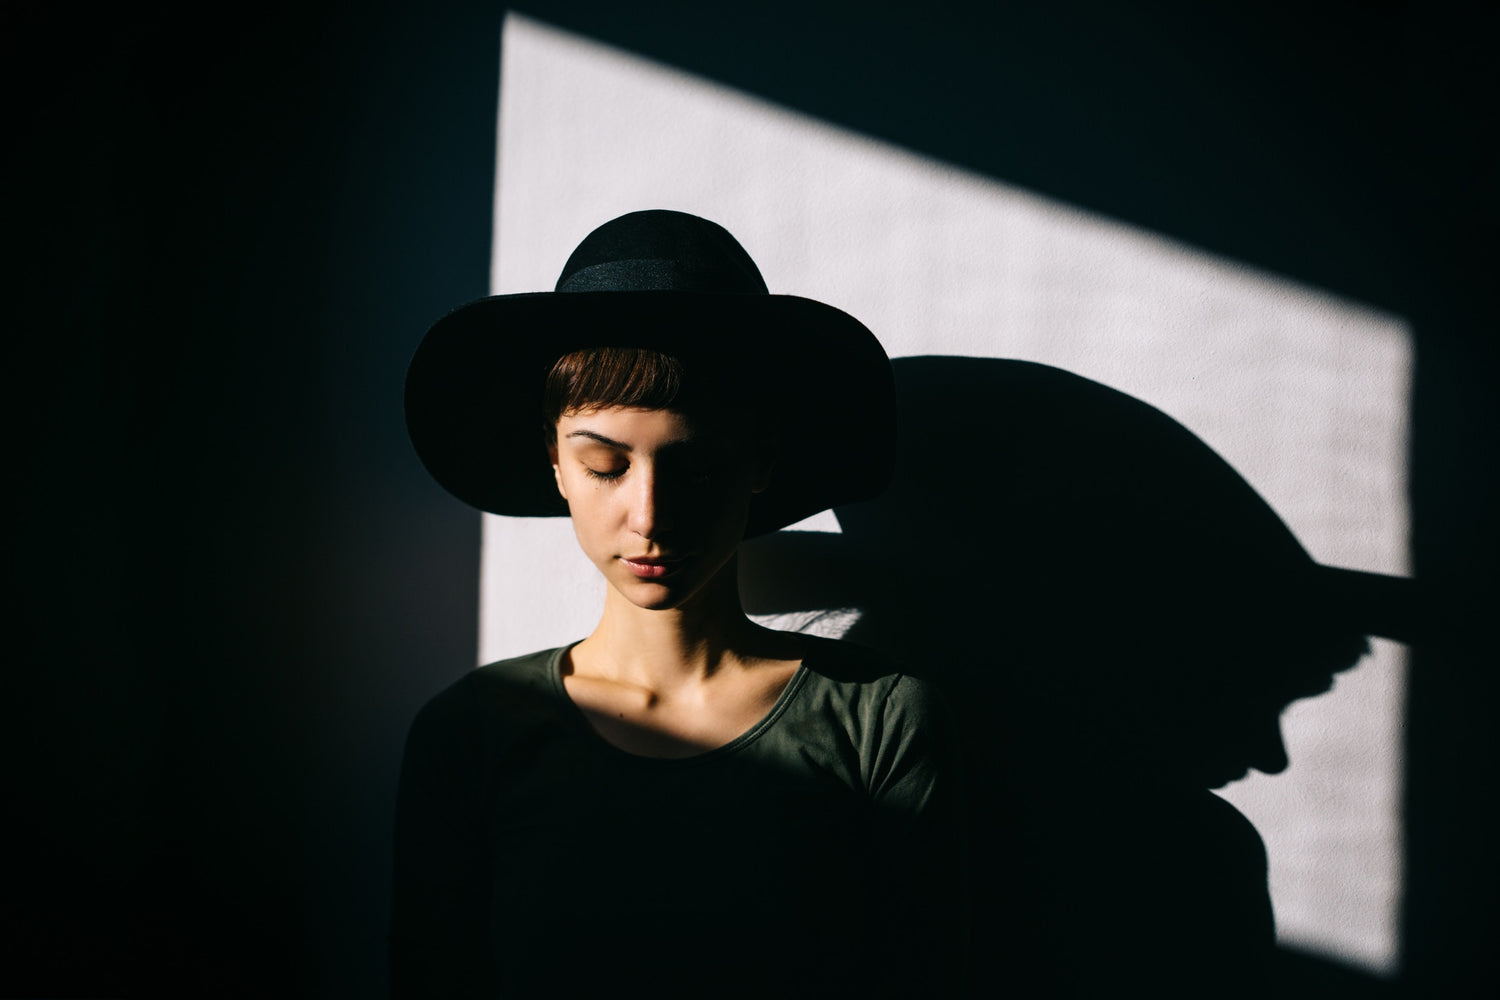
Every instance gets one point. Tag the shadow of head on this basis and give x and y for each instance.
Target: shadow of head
(1085, 574)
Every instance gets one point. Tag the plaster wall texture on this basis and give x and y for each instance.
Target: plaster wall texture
(1306, 394)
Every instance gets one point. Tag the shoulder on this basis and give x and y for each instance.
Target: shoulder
(870, 677)
(888, 729)
(517, 686)
(883, 709)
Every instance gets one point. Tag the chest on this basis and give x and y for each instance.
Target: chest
(685, 721)
(748, 846)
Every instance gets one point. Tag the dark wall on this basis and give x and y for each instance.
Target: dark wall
(234, 583)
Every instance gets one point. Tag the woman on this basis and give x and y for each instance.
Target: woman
(683, 802)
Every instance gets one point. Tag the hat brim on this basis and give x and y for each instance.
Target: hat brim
(1390, 607)
(474, 390)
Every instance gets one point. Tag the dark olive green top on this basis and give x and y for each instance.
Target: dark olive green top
(819, 853)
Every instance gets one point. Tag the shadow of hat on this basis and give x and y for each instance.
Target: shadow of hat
(1058, 509)
(671, 282)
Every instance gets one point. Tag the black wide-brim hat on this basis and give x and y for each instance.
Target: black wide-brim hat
(671, 282)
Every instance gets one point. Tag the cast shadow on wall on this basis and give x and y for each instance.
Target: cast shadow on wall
(1119, 621)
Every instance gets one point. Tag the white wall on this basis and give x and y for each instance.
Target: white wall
(1305, 394)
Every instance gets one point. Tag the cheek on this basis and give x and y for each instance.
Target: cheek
(588, 506)
(724, 503)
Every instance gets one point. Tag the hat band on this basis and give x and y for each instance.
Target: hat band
(658, 275)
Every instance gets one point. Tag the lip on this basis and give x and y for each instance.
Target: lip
(651, 567)
(1224, 778)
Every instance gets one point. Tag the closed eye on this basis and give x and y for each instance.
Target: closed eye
(605, 474)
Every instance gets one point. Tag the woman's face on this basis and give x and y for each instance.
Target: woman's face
(659, 501)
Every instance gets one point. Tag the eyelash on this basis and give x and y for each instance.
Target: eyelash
(702, 475)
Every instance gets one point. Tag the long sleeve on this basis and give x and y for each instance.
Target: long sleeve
(440, 907)
(916, 785)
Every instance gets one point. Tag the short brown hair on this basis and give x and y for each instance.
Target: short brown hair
(610, 376)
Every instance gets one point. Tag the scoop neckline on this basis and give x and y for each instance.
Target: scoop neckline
(580, 720)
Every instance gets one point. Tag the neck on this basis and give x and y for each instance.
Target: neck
(666, 648)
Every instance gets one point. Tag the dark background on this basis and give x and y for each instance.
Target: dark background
(232, 582)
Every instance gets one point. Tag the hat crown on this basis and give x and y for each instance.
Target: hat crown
(663, 281)
(660, 250)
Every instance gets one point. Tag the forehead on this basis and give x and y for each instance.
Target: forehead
(629, 425)
(624, 418)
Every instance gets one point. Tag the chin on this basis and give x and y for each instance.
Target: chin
(653, 596)
(666, 602)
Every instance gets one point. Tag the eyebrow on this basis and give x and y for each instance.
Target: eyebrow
(689, 441)
(608, 442)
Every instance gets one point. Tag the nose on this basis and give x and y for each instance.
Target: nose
(647, 515)
(1269, 752)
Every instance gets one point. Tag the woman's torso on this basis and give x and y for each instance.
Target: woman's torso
(768, 862)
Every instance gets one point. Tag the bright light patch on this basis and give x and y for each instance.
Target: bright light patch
(1304, 393)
